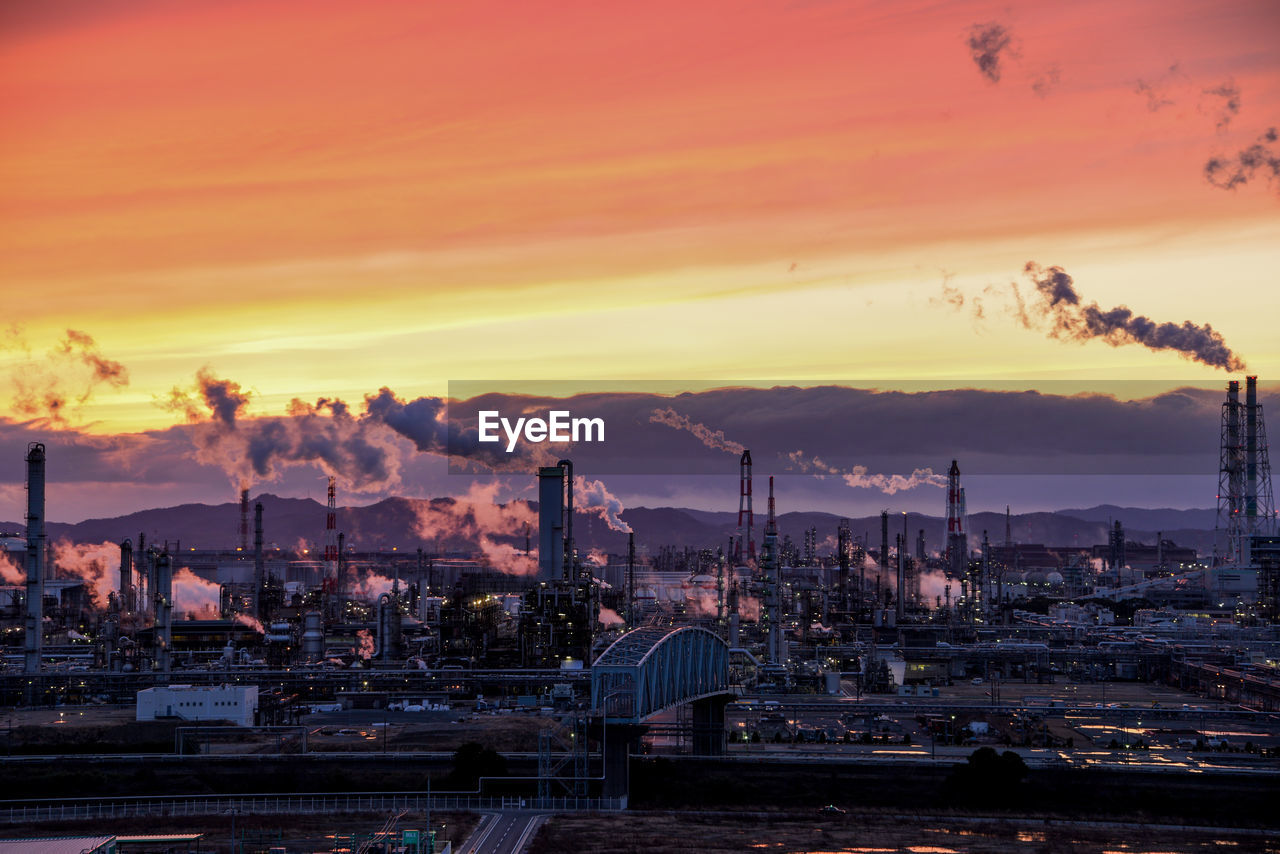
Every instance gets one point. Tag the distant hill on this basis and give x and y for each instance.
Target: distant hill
(1151, 520)
(398, 522)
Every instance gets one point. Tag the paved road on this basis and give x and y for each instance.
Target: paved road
(502, 833)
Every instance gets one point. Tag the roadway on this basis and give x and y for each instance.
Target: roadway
(507, 832)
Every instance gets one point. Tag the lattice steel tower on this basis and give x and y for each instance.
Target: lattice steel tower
(1246, 505)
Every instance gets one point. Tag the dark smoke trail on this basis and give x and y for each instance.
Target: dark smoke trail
(1229, 92)
(1259, 158)
(358, 450)
(986, 43)
(1070, 319)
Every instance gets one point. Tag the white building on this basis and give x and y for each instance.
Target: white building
(235, 703)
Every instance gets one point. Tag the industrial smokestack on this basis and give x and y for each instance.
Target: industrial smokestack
(164, 611)
(631, 580)
(331, 532)
(566, 469)
(746, 516)
(1251, 455)
(259, 563)
(126, 576)
(550, 522)
(772, 606)
(884, 541)
(33, 642)
(340, 583)
(957, 539)
(141, 581)
(900, 566)
(244, 520)
(844, 545)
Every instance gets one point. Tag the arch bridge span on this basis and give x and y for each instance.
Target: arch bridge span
(652, 669)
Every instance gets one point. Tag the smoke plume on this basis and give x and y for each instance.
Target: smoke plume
(64, 380)
(364, 647)
(195, 597)
(484, 524)
(1228, 102)
(592, 496)
(1067, 317)
(97, 564)
(425, 421)
(986, 44)
(714, 439)
(858, 477)
(10, 572)
(246, 620)
(933, 586)
(358, 450)
(1260, 159)
(609, 618)
(369, 586)
(1156, 90)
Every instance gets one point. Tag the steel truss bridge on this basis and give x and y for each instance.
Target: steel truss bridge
(652, 669)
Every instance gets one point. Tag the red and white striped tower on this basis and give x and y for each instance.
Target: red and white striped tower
(331, 534)
(746, 547)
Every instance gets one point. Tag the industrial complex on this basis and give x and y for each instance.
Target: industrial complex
(808, 646)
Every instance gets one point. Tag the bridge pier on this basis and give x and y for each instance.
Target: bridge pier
(617, 741)
(708, 725)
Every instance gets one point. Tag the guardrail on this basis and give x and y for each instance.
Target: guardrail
(88, 809)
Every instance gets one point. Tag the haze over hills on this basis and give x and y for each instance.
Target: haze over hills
(452, 525)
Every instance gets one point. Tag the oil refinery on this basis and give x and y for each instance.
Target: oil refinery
(868, 649)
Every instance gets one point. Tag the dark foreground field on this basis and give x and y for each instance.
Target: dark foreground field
(795, 832)
(1174, 797)
(255, 833)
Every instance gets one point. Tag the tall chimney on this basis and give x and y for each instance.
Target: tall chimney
(550, 522)
(340, 583)
(1251, 456)
(844, 545)
(746, 515)
(566, 469)
(259, 563)
(631, 580)
(164, 611)
(884, 541)
(126, 576)
(34, 641)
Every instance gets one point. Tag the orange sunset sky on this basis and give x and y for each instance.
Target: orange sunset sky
(322, 198)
